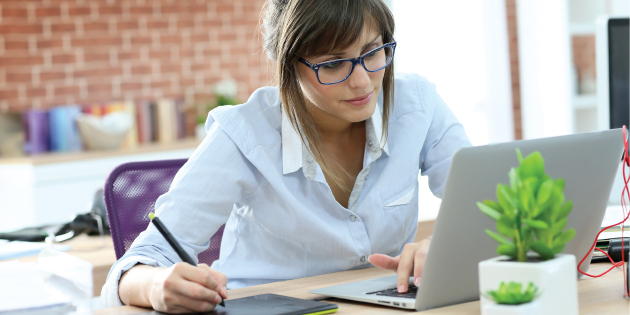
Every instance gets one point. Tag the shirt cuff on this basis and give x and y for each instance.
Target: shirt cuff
(109, 293)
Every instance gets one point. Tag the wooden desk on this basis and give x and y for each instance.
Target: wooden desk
(596, 295)
(99, 252)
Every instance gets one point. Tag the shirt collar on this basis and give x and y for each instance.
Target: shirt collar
(292, 147)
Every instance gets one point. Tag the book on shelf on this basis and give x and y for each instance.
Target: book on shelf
(36, 131)
(55, 129)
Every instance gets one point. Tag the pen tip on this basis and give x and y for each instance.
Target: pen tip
(222, 302)
(151, 215)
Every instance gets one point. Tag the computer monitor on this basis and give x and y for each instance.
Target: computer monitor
(613, 67)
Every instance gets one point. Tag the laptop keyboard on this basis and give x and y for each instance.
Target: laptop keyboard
(411, 292)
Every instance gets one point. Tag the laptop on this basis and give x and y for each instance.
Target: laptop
(588, 163)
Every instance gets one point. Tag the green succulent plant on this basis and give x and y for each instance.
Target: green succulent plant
(533, 205)
(513, 294)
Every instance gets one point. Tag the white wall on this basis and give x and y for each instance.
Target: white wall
(462, 47)
(545, 68)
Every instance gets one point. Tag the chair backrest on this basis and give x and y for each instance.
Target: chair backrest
(130, 192)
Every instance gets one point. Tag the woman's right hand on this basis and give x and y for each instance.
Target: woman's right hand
(183, 288)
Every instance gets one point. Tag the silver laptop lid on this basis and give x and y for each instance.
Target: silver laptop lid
(588, 163)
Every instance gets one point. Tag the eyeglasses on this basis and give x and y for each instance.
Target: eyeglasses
(335, 71)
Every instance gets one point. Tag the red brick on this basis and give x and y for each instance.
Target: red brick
(16, 44)
(20, 28)
(127, 25)
(95, 26)
(135, 70)
(185, 23)
(102, 87)
(212, 23)
(35, 92)
(64, 58)
(163, 54)
(49, 43)
(132, 55)
(18, 77)
(199, 38)
(96, 41)
(90, 56)
(46, 12)
(21, 61)
(110, 10)
(170, 68)
(170, 39)
(75, 10)
(14, 12)
(67, 90)
(140, 40)
(129, 86)
(160, 84)
(99, 72)
(139, 10)
(223, 9)
(8, 94)
(62, 27)
(224, 37)
(153, 24)
(176, 8)
(52, 76)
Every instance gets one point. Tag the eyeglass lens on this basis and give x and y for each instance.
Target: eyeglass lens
(337, 71)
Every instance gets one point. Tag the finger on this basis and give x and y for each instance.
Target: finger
(193, 290)
(219, 277)
(384, 261)
(196, 274)
(195, 305)
(405, 266)
(419, 260)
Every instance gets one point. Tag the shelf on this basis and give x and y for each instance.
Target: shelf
(584, 101)
(63, 157)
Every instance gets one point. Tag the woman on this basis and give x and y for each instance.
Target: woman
(314, 176)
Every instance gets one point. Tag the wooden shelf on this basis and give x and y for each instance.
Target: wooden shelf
(49, 158)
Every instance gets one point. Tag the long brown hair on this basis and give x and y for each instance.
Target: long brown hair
(303, 28)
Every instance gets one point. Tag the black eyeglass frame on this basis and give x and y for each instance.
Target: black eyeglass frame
(359, 60)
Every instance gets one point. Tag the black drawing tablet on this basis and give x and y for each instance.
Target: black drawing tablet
(268, 304)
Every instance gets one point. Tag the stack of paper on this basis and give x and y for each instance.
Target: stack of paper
(23, 291)
(16, 249)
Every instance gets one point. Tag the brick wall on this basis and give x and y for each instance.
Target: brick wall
(584, 58)
(80, 51)
(510, 6)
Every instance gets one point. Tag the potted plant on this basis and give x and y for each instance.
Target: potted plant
(511, 299)
(225, 94)
(531, 214)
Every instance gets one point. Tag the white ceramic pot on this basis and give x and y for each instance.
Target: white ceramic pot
(556, 280)
(531, 308)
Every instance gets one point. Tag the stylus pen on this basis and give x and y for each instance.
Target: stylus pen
(176, 246)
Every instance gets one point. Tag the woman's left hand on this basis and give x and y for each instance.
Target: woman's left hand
(409, 262)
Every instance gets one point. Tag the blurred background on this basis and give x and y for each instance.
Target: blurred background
(86, 85)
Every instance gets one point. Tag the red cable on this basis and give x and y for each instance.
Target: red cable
(625, 192)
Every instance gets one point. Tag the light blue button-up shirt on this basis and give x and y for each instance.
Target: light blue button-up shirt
(253, 173)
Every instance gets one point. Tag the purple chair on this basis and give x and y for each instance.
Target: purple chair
(130, 192)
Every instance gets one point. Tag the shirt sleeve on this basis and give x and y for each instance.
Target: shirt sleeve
(199, 201)
(445, 136)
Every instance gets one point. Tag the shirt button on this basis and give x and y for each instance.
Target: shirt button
(353, 218)
(362, 258)
(370, 143)
(309, 159)
(366, 177)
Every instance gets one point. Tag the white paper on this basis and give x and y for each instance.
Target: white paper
(16, 249)
(614, 215)
(22, 288)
